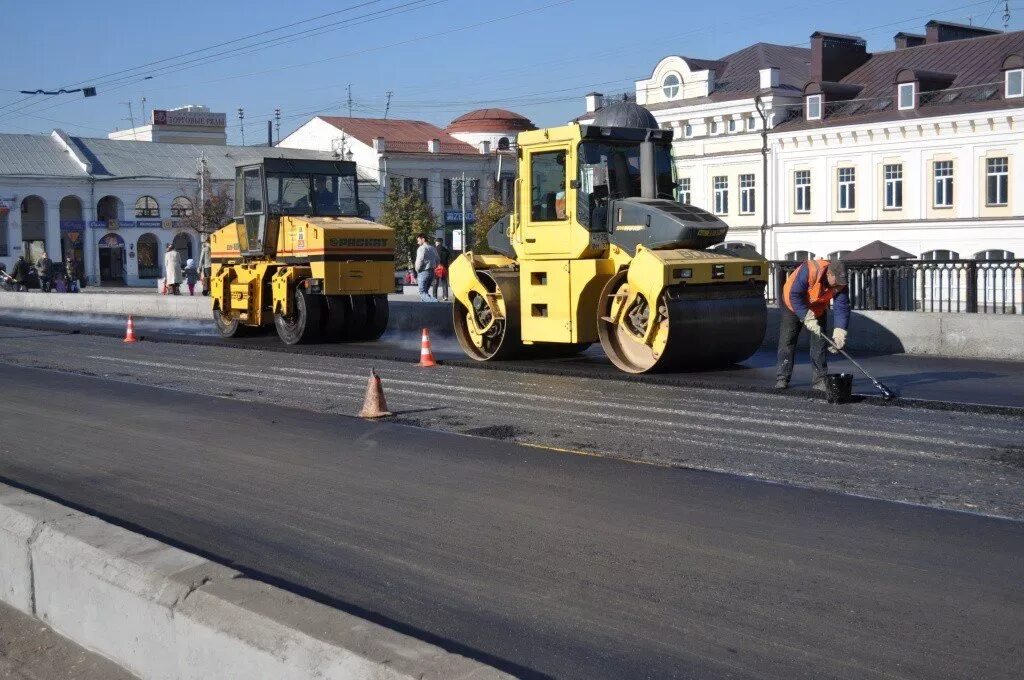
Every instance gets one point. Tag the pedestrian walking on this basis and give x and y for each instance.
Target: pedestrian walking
(205, 264)
(806, 297)
(71, 275)
(44, 269)
(20, 274)
(172, 270)
(426, 262)
(191, 275)
(441, 271)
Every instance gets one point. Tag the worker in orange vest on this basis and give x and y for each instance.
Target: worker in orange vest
(805, 300)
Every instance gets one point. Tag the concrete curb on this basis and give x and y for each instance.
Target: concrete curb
(165, 614)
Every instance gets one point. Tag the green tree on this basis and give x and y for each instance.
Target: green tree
(408, 214)
(485, 219)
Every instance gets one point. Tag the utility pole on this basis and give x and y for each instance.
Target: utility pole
(202, 193)
(131, 118)
(1006, 15)
(277, 124)
(350, 100)
(143, 110)
(387, 107)
(465, 235)
(241, 123)
(760, 105)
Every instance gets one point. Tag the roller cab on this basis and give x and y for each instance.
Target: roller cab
(597, 250)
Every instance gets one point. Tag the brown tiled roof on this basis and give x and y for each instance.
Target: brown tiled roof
(400, 136)
(491, 120)
(976, 65)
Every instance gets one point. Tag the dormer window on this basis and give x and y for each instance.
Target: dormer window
(670, 86)
(907, 96)
(814, 107)
(1015, 83)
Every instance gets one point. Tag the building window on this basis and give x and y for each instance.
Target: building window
(733, 125)
(504, 144)
(994, 255)
(148, 250)
(448, 193)
(907, 100)
(747, 194)
(687, 130)
(751, 124)
(814, 107)
(943, 184)
(847, 189)
(940, 255)
(3, 231)
(547, 177)
(716, 127)
(147, 206)
(997, 176)
(799, 256)
(802, 184)
(721, 185)
(893, 175)
(181, 207)
(670, 86)
(1015, 83)
(684, 190)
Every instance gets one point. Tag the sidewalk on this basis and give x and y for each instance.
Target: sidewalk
(30, 650)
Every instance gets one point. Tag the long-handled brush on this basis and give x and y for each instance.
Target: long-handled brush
(886, 392)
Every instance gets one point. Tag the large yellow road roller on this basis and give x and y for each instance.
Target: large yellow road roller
(598, 249)
(298, 256)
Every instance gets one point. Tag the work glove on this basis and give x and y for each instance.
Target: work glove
(811, 323)
(838, 339)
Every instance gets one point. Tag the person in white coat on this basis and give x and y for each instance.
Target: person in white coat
(172, 270)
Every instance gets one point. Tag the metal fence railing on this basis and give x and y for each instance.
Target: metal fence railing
(970, 286)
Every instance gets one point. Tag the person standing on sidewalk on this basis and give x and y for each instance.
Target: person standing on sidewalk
(70, 275)
(426, 262)
(205, 264)
(20, 274)
(191, 275)
(44, 268)
(805, 300)
(444, 257)
(172, 270)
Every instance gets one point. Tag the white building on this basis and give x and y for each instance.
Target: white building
(184, 125)
(421, 157)
(112, 205)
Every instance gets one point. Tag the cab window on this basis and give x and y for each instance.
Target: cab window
(253, 191)
(547, 179)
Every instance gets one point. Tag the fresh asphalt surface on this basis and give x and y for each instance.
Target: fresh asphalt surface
(542, 563)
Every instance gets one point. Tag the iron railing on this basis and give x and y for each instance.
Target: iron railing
(969, 286)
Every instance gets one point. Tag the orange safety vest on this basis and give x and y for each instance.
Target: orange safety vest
(819, 293)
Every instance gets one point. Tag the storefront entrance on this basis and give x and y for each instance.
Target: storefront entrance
(112, 260)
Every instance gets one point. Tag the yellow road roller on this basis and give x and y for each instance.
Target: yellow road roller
(298, 256)
(598, 249)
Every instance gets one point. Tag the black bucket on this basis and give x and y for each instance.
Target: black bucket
(838, 387)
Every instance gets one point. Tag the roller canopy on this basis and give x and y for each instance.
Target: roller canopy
(660, 223)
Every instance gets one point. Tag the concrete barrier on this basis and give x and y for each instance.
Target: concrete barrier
(165, 614)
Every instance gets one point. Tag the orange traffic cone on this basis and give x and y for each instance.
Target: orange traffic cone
(129, 334)
(426, 356)
(374, 406)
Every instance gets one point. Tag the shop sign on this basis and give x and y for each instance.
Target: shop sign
(147, 224)
(455, 216)
(189, 118)
(72, 225)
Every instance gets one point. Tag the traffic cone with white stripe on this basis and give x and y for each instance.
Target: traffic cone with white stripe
(374, 405)
(129, 334)
(426, 355)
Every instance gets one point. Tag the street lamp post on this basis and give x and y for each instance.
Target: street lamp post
(759, 103)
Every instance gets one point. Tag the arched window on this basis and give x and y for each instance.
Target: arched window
(799, 255)
(147, 206)
(838, 254)
(183, 244)
(994, 255)
(148, 253)
(108, 208)
(4, 221)
(670, 85)
(940, 255)
(33, 228)
(70, 208)
(181, 207)
(503, 144)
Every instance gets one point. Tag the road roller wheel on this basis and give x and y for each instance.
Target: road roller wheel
(335, 312)
(501, 339)
(623, 342)
(227, 327)
(376, 317)
(303, 325)
(356, 317)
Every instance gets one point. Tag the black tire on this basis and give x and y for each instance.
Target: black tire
(377, 317)
(303, 326)
(336, 309)
(228, 328)
(356, 318)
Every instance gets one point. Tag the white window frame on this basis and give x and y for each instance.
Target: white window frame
(892, 186)
(943, 185)
(847, 189)
(685, 190)
(814, 104)
(716, 128)
(751, 124)
(733, 125)
(900, 90)
(1018, 74)
(720, 183)
(1001, 175)
(801, 192)
(748, 194)
(676, 87)
(687, 130)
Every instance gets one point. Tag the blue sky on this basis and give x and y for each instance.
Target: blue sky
(440, 58)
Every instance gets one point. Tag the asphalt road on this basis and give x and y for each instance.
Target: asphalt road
(544, 563)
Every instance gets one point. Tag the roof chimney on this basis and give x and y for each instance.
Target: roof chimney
(485, 147)
(595, 101)
(945, 31)
(434, 146)
(769, 77)
(905, 40)
(379, 145)
(834, 56)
